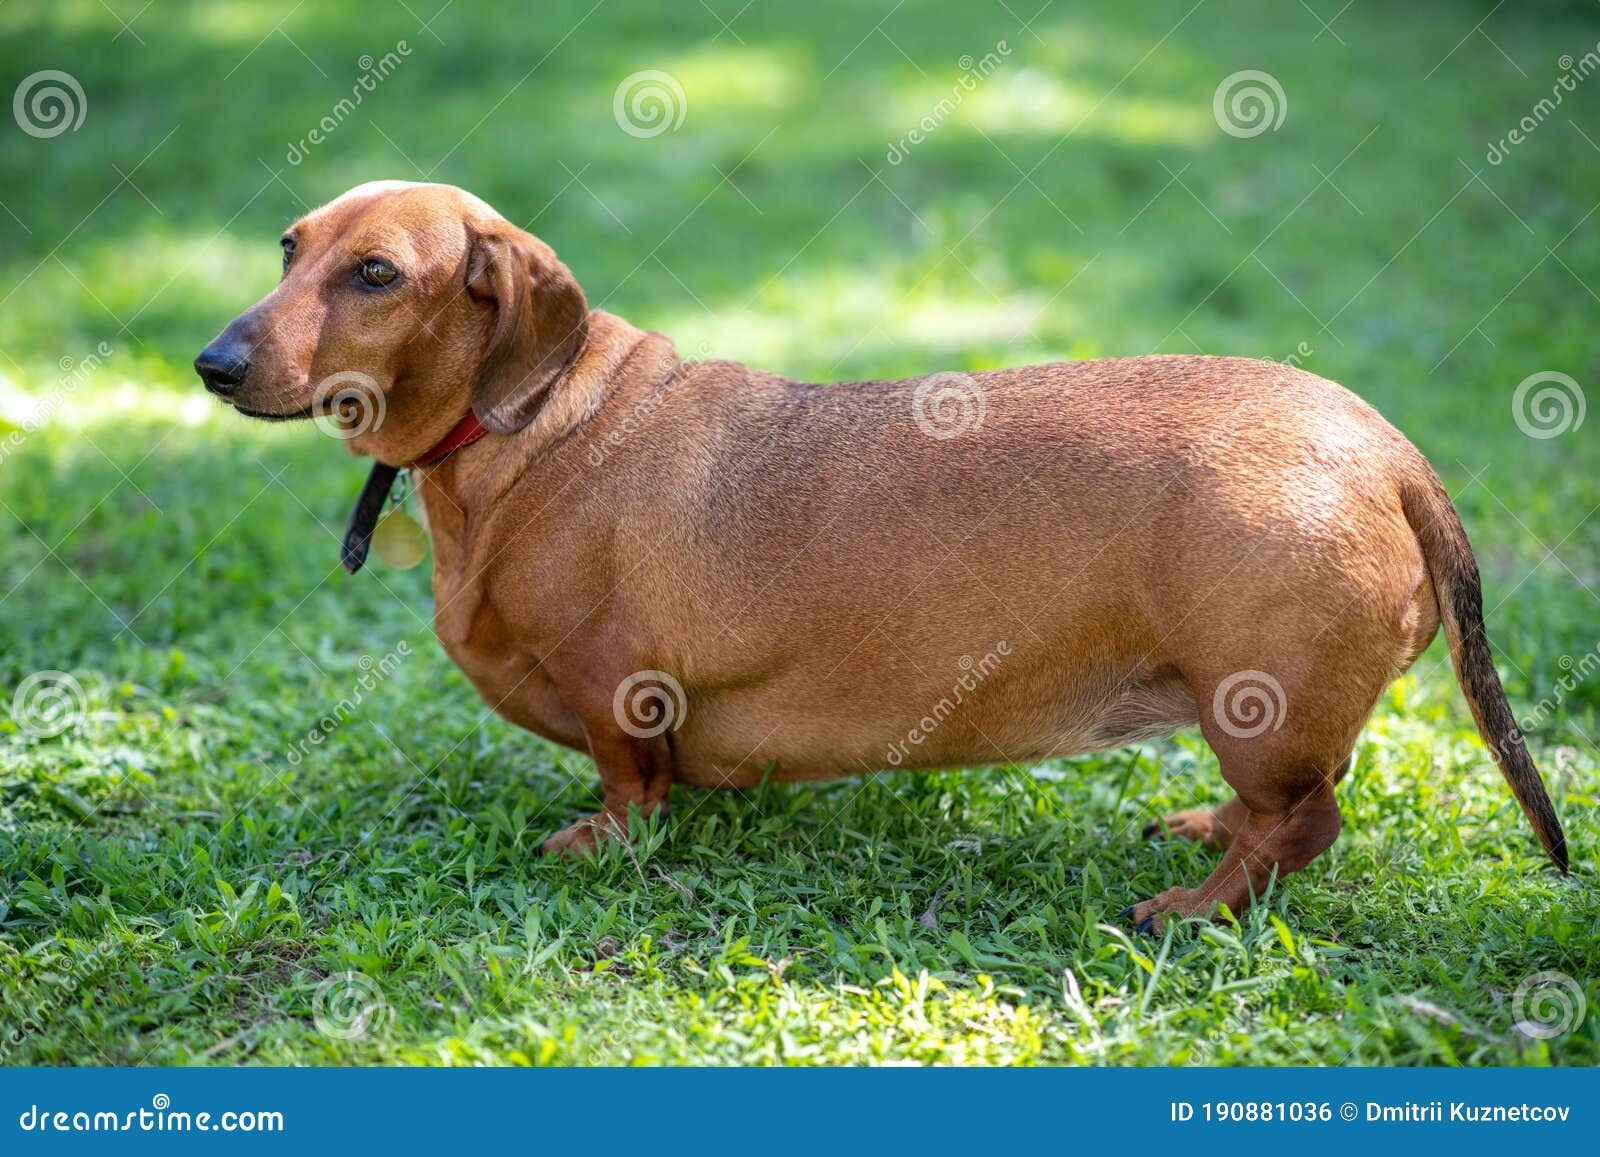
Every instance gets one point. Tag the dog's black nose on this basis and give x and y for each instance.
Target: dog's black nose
(222, 366)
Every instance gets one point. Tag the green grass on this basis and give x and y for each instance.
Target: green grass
(186, 878)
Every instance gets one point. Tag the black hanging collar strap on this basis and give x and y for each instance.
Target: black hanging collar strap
(364, 518)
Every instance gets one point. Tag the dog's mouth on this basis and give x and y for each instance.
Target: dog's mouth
(351, 412)
(270, 416)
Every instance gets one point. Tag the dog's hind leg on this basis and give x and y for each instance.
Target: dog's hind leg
(1283, 745)
(1214, 827)
(1276, 837)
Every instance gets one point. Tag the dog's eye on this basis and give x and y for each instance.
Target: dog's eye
(376, 271)
(288, 251)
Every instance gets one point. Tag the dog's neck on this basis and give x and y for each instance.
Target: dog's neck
(476, 476)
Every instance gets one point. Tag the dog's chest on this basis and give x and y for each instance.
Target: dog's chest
(476, 628)
(502, 666)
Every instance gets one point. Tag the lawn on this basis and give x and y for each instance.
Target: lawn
(188, 876)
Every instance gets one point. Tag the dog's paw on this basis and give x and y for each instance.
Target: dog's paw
(578, 840)
(1199, 825)
(1147, 925)
(1150, 916)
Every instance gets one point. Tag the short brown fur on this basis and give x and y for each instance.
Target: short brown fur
(1111, 545)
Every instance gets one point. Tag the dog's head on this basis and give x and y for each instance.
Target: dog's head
(400, 306)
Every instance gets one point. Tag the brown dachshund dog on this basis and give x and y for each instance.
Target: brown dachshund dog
(706, 574)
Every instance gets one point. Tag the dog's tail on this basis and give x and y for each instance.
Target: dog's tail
(1459, 594)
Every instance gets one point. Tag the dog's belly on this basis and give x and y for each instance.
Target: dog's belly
(982, 716)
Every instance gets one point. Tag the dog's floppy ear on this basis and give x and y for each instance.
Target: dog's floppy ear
(541, 320)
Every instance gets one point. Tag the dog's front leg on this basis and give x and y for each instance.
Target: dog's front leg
(634, 772)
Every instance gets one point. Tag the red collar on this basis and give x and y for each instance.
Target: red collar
(464, 433)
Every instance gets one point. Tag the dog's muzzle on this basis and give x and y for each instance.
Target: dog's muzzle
(222, 366)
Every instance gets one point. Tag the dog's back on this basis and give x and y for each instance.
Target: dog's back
(844, 555)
